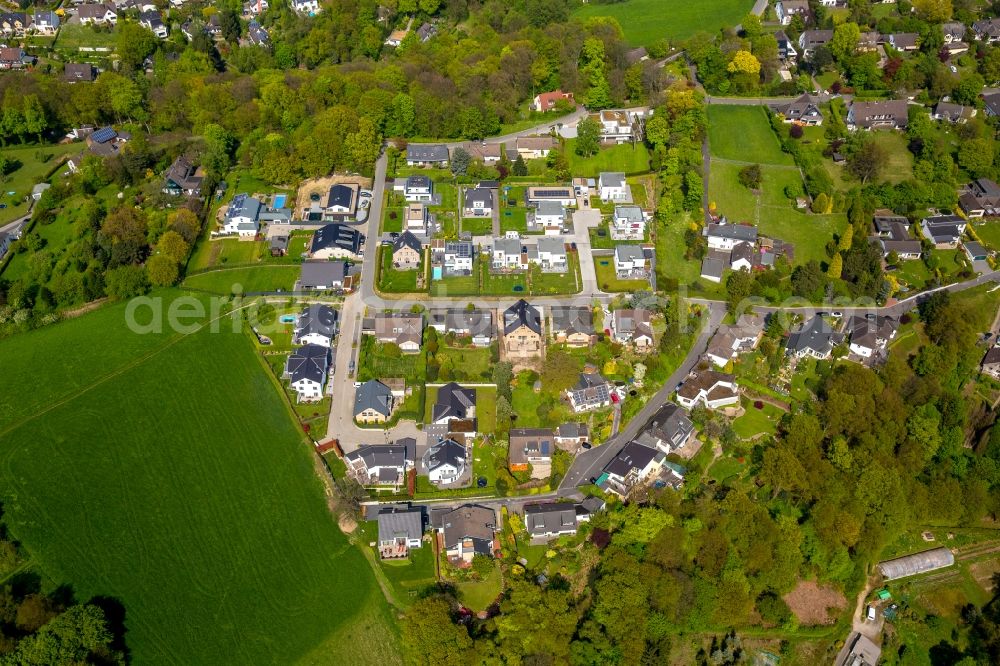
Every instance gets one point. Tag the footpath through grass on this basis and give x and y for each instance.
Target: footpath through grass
(166, 472)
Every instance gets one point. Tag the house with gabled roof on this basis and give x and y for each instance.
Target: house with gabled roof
(726, 236)
(531, 449)
(633, 326)
(550, 520)
(547, 101)
(76, 72)
(590, 392)
(570, 435)
(980, 198)
(399, 530)
(522, 330)
(987, 30)
(183, 177)
(786, 9)
(634, 464)
(547, 216)
(336, 241)
(13, 57)
(810, 40)
(478, 202)
(323, 275)
(572, 325)
(871, 335)
(475, 324)
(453, 402)
(44, 22)
(307, 369)
(628, 223)
(406, 251)
(316, 325)
(669, 429)
(373, 402)
(427, 154)
(991, 363)
(404, 329)
(445, 462)
(944, 231)
(710, 388)
(97, 14)
(814, 338)
(535, 147)
(887, 114)
(468, 531)
(956, 114)
(382, 464)
(803, 110)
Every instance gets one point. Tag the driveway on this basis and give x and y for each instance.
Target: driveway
(585, 219)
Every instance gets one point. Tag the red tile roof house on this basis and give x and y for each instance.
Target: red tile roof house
(547, 101)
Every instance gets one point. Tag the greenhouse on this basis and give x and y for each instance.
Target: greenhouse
(917, 563)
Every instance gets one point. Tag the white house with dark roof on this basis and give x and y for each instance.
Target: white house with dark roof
(550, 520)
(633, 326)
(667, 430)
(475, 324)
(336, 241)
(382, 464)
(453, 402)
(97, 14)
(416, 188)
(870, 335)
(803, 110)
(426, 154)
(445, 462)
(399, 530)
(183, 177)
(307, 369)
(634, 464)
(711, 388)
(322, 275)
(726, 236)
(628, 223)
(478, 202)
(316, 325)
(815, 338)
(944, 231)
(591, 392)
(611, 186)
(242, 216)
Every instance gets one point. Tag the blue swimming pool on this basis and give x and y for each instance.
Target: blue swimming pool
(288, 319)
(279, 200)
(437, 275)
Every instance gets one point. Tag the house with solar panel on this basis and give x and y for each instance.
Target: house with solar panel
(564, 195)
(591, 392)
(243, 216)
(336, 241)
(415, 189)
(307, 369)
(103, 142)
(531, 449)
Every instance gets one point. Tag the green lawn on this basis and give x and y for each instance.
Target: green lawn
(165, 488)
(376, 362)
(514, 219)
(757, 421)
(724, 468)
(393, 219)
(410, 577)
(478, 226)
(458, 285)
(989, 232)
(477, 595)
(626, 158)
(744, 133)
(251, 279)
(503, 284)
(557, 283)
(74, 35)
(395, 281)
(486, 407)
(607, 279)
(29, 166)
(646, 21)
(900, 164)
(467, 363)
(671, 265)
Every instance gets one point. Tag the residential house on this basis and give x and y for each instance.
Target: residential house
(182, 177)
(573, 325)
(979, 198)
(151, 21)
(323, 275)
(488, 153)
(803, 110)
(316, 325)
(45, 22)
(991, 103)
(990, 364)
(547, 101)
(277, 244)
(474, 324)
(635, 464)
(396, 38)
(890, 114)
(743, 257)
(399, 530)
(904, 41)
(633, 326)
(416, 188)
(382, 464)
(445, 462)
(426, 154)
(13, 24)
(571, 435)
(336, 241)
(549, 253)
(815, 338)
(727, 236)
(426, 31)
(590, 392)
(534, 147)
(75, 72)
(12, 57)
(785, 48)
(564, 195)
(628, 223)
(786, 9)
(341, 202)
(953, 113)
(309, 7)
(987, 30)
(944, 231)
(975, 251)
(307, 368)
(630, 262)
(953, 31)
(867, 42)
(453, 402)
(711, 388)
(892, 233)
(667, 430)
(5, 241)
(455, 257)
(730, 340)
(373, 402)
(404, 329)
(468, 531)
(810, 40)
(550, 520)
(406, 251)
(548, 216)
(616, 126)
(858, 650)
(508, 254)
(531, 449)
(712, 268)
(97, 14)
(257, 35)
(107, 141)
(522, 330)
(611, 186)
(478, 202)
(242, 216)
(417, 219)
(870, 335)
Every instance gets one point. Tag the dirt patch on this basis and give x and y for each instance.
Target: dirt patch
(321, 186)
(983, 572)
(84, 309)
(346, 523)
(812, 604)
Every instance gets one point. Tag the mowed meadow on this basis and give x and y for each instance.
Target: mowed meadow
(165, 471)
(646, 21)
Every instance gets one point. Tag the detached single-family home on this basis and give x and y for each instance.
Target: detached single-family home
(987, 30)
(572, 325)
(991, 363)
(399, 530)
(980, 198)
(322, 275)
(803, 110)
(810, 40)
(406, 251)
(785, 48)
(79, 72)
(991, 103)
(630, 262)
(417, 188)
(382, 464)
(373, 402)
(445, 462)
(45, 22)
(548, 216)
(426, 154)
(531, 449)
(478, 202)
(426, 31)
(468, 531)
(815, 338)
(892, 233)
(547, 101)
(242, 216)
(616, 126)
(667, 430)
(590, 392)
(570, 435)
(341, 202)
(871, 335)
(550, 520)
(611, 186)
(522, 330)
(558, 193)
(336, 241)
(633, 326)
(13, 24)
(488, 153)
(889, 114)
(151, 21)
(316, 325)
(944, 231)
(632, 466)
(474, 324)
(904, 41)
(417, 219)
(713, 389)
(956, 114)
(549, 252)
(182, 177)
(727, 236)
(453, 402)
(786, 9)
(404, 329)
(628, 223)
(508, 254)
(742, 257)
(534, 147)
(455, 257)
(307, 368)
(729, 340)
(97, 14)
(309, 7)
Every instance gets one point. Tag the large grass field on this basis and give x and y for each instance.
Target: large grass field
(166, 472)
(30, 164)
(645, 21)
(626, 158)
(250, 280)
(739, 132)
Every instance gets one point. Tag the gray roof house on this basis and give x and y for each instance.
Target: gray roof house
(815, 338)
(316, 324)
(426, 153)
(183, 177)
(78, 71)
(373, 395)
(322, 275)
(454, 402)
(306, 369)
(550, 520)
(522, 314)
(478, 324)
(445, 461)
(468, 530)
(399, 530)
(889, 114)
(591, 391)
(336, 240)
(382, 464)
(667, 430)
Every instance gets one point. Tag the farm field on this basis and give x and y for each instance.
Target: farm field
(645, 21)
(29, 166)
(252, 279)
(213, 532)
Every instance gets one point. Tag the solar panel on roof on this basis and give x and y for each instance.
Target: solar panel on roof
(551, 193)
(103, 135)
